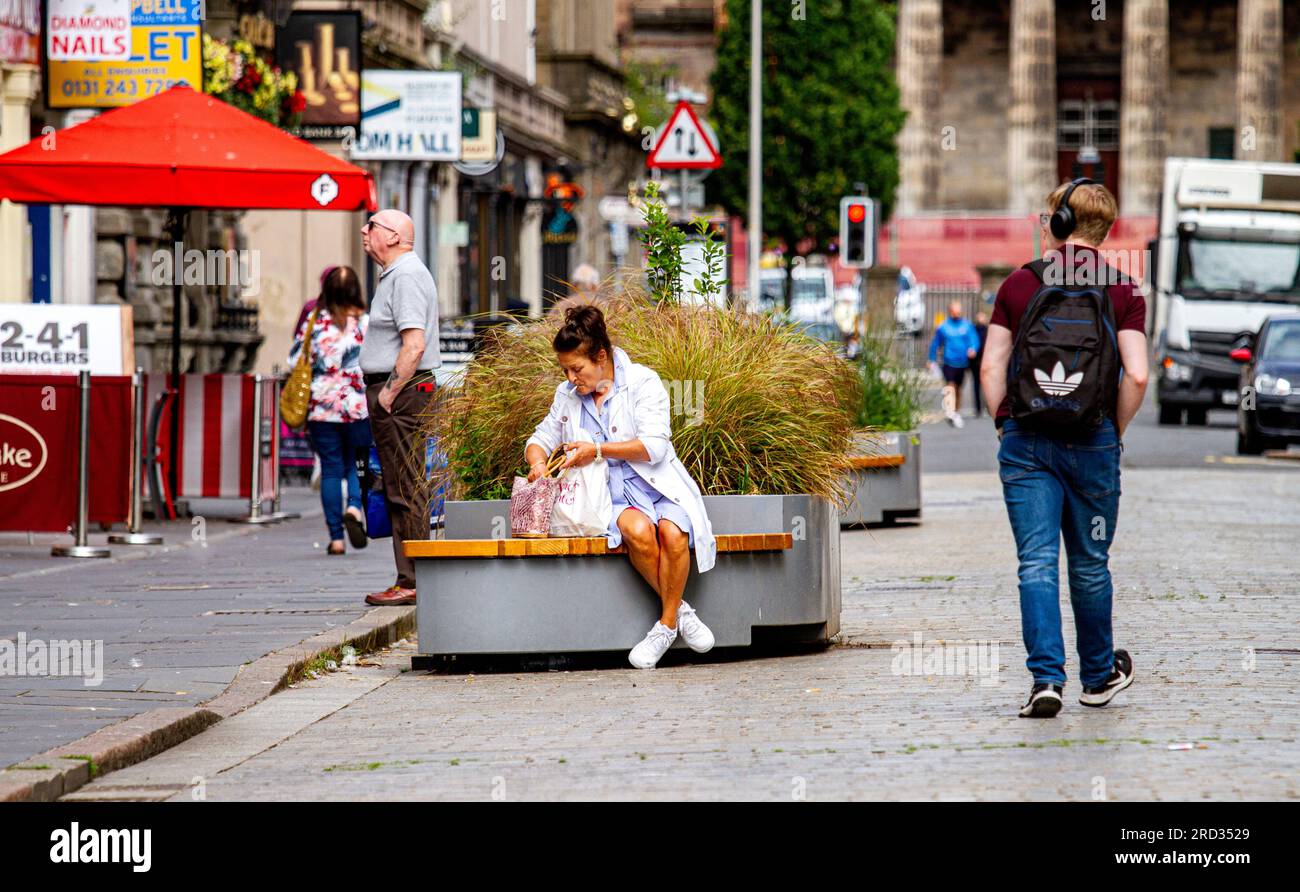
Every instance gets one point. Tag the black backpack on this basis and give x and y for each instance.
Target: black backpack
(1065, 368)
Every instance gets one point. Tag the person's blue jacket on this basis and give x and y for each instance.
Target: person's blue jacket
(955, 336)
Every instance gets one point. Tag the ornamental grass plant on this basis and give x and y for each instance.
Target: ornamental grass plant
(757, 407)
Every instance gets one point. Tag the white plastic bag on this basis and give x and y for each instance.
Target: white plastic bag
(583, 506)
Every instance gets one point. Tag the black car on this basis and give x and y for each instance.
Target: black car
(1268, 413)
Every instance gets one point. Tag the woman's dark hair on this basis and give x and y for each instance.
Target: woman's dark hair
(583, 329)
(340, 291)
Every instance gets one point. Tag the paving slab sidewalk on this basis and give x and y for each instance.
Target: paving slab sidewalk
(177, 623)
(1206, 601)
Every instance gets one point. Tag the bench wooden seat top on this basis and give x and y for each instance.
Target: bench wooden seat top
(592, 546)
(859, 462)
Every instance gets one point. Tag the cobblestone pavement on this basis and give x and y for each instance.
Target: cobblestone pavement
(1206, 579)
(176, 621)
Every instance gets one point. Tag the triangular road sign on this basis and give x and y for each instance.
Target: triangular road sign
(683, 143)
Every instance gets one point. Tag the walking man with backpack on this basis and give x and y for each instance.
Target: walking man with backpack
(1066, 364)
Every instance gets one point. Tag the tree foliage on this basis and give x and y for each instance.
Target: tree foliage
(831, 112)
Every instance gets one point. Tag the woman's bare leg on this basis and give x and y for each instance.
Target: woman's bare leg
(674, 566)
(642, 544)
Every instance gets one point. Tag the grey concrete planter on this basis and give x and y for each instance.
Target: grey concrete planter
(885, 494)
(575, 604)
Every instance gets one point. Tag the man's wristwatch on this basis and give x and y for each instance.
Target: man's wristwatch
(598, 456)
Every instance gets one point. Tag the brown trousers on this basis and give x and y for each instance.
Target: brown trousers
(402, 457)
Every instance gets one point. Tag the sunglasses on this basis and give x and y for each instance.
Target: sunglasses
(370, 224)
(1044, 219)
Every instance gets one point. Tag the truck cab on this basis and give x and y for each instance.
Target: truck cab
(1227, 258)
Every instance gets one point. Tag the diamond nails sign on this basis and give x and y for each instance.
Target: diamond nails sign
(83, 31)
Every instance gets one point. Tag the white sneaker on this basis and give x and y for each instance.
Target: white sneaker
(693, 630)
(652, 647)
(957, 420)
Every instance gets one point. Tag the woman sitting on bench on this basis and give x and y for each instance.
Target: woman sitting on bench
(658, 509)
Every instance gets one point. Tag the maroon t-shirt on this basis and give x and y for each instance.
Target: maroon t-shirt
(1013, 298)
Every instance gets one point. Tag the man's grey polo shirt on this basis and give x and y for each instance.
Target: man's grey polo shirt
(405, 298)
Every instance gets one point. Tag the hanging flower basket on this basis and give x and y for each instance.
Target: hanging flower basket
(234, 73)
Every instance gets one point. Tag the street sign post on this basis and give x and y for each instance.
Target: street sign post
(685, 143)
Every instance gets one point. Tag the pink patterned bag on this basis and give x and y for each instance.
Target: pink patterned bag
(531, 503)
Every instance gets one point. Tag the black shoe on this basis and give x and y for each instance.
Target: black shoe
(1044, 702)
(356, 532)
(1120, 678)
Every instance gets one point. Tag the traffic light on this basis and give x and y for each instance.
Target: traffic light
(857, 231)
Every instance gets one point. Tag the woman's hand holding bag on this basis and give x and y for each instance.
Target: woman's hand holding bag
(583, 505)
(531, 503)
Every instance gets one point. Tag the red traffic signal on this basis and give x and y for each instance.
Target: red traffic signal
(857, 231)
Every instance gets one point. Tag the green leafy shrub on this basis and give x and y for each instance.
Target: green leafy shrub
(892, 393)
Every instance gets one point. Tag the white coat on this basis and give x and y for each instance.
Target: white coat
(639, 411)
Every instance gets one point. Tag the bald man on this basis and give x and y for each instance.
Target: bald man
(398, 357)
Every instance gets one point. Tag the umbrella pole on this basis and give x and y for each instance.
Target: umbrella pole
(176, 219)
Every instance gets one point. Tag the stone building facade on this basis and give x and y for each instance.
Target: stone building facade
(680, 34)
(1007, 98)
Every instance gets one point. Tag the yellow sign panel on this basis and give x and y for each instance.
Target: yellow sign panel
(162, 56)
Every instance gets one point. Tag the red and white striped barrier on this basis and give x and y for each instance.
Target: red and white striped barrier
(216, 430)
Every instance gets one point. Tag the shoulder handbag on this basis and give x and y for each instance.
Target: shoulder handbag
(295, 398)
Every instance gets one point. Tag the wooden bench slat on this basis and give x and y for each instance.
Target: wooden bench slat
(877, 461)
(593, 546)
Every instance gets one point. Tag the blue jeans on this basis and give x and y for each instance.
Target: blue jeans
(1057, 488)
(337, 444)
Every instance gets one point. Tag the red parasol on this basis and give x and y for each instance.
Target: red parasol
(182, 149)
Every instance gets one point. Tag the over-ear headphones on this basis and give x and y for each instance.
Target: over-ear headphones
(1063, 220)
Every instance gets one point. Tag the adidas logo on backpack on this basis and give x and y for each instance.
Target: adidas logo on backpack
(1065, 367)
(1057, 384)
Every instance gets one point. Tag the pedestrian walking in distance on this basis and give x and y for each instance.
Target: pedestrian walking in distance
(658, 509)
(1066, 365)
(976, 388)
(338, 420)
(956, 340)
(397, 359)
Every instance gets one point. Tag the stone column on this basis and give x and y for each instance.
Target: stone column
(1031, 118)
(1259, 80)
(1145, 99)
(18, 86)
(920, 71)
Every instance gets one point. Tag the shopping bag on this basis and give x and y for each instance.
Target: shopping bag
(582, 504)
(378, 524)
(531, 503)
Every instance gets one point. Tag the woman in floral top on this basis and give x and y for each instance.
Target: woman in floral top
(338, 422)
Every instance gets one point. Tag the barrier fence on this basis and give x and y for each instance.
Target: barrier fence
(40, 433)
(76, 450)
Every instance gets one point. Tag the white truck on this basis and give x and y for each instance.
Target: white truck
(1227, 257)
